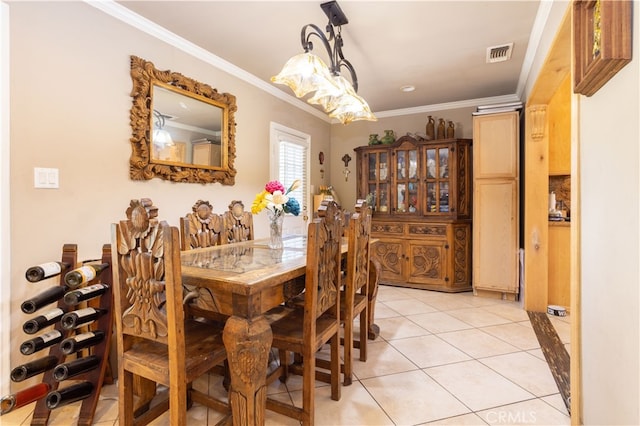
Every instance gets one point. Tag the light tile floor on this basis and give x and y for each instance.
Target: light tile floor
(448, 359)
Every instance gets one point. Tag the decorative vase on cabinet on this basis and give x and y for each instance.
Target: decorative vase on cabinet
(421, 193)
(388, 137)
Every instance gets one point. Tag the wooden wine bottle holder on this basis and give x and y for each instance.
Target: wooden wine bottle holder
(105, 323)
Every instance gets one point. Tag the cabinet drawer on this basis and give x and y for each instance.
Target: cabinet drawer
(427, 230)
(387, 228)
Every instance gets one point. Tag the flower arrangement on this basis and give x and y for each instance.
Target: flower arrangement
(275, 198)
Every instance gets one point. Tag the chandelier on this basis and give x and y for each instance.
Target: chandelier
(305, 73)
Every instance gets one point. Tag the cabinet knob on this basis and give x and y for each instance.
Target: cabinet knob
(446, 279)
(446, 246)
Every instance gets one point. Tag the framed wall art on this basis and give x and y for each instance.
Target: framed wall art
(602, 42)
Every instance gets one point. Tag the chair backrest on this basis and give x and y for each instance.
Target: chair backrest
(201, 227)
(322, 278)
(238, 224)
(147, 278)
(358, 233)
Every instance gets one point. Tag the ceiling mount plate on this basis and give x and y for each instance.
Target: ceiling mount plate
(334, 13)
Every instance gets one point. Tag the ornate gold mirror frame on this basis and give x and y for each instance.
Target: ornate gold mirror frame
(144, 164)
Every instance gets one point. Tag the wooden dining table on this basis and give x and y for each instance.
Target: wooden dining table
(244, 281)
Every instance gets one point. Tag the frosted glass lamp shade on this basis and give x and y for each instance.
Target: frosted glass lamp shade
(304, 73)
(351, 107)
(329, 97)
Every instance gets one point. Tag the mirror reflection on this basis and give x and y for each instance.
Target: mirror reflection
(185, 129)
(182, 130)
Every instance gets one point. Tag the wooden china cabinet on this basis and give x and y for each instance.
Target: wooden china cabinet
(421, 194)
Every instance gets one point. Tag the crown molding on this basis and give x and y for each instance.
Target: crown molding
(449, 105)
(129, 17)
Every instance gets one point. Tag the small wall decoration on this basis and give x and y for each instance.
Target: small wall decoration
(346, 158)
(602, 42)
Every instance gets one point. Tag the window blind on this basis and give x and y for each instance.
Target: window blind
(292, 164)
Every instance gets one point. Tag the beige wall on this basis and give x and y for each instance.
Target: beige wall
(609, 161)
(70, 106)
(345, 138)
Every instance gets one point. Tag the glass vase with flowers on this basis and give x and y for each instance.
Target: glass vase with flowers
(276, 200)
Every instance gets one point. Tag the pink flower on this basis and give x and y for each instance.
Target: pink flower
(274, 186)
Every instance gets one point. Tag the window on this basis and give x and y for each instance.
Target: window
(290, 161)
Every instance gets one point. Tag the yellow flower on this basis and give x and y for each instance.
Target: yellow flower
(259, 203)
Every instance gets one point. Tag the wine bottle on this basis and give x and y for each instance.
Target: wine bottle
(50, 295)
(84, 274)
(45, 270)
(73, 393)
(74, 319)
(32, 368)
(76, 296)
(23, 397)
(75, 367)
(43, 341)
(36, 324)
(80, 341)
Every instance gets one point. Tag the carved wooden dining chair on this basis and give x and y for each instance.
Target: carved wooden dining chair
(305, 331)
(354, 300)
(354, 297)
(238, 224)
(156, 344)
(201, 227)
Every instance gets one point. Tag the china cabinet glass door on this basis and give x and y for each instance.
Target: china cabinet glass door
(437, 180)
(406, 181)
(378, 180)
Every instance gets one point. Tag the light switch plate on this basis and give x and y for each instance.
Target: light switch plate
(45, 178)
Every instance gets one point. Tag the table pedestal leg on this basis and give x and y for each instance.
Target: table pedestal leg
(374, 276)
(248, 344)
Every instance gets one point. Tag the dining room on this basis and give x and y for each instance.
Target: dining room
(89, 87)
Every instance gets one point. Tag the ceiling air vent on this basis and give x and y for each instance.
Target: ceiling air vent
(499, 53)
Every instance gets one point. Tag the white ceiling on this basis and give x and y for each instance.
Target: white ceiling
(437, 46)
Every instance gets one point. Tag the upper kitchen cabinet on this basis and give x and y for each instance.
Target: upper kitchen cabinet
(498, 155)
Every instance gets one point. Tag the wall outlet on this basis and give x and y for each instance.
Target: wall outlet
(45, 178)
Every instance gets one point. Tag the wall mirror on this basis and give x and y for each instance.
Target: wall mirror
(183, 130)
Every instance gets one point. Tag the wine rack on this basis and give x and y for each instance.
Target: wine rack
(101, 373)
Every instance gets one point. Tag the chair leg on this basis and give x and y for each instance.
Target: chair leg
(348, 352)
(335, 367)
(284, 365)
(308, 388)
(125, 400)
(364, 328)
(177, 405)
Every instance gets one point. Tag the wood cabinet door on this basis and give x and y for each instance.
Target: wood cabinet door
(495, 146)
(438, 170)
(495, 235)
(390, 254)
(427, 262)
(376, 179)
